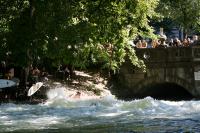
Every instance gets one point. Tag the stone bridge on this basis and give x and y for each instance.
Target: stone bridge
(178, 67)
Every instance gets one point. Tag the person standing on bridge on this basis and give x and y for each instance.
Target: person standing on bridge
(144, 44)
(177, 42)
(139, 44)
(185, 43)
(155, 43)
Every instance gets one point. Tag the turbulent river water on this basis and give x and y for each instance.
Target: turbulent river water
(104, 115)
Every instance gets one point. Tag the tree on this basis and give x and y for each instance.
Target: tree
(78, 32)
(98, 31)
(10, 12)
(186, 13)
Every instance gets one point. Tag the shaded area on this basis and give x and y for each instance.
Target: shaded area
(91, 83)
(161, 91)
(167, 91)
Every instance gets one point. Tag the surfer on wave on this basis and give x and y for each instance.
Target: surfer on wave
(76, 96)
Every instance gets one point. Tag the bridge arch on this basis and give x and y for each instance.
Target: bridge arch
(172, 87)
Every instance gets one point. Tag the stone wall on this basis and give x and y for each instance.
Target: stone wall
(180, 66)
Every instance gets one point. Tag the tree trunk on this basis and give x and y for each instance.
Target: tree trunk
(28, 52)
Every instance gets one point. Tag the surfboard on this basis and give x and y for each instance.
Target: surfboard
(34, 88)
(4, 83)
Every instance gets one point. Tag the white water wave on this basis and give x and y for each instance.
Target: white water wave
(62, 111)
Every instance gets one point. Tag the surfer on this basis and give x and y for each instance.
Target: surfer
(76, 96)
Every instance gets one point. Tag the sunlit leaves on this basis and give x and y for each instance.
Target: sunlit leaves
(81, 32)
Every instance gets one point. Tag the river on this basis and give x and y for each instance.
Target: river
(104, 115)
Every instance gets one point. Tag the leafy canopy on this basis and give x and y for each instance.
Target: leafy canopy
(185, 13)
(78, 32)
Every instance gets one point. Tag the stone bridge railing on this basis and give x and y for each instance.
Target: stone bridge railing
(166, 56)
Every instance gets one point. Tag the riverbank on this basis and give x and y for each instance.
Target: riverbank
(82, 86)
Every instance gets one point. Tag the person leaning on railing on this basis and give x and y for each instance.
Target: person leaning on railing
(144, 44)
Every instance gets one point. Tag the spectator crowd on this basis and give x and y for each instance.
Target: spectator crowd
(163, 42)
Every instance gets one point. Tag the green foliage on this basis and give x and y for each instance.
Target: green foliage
(9, 10)
(78, 32)
(186, 13)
